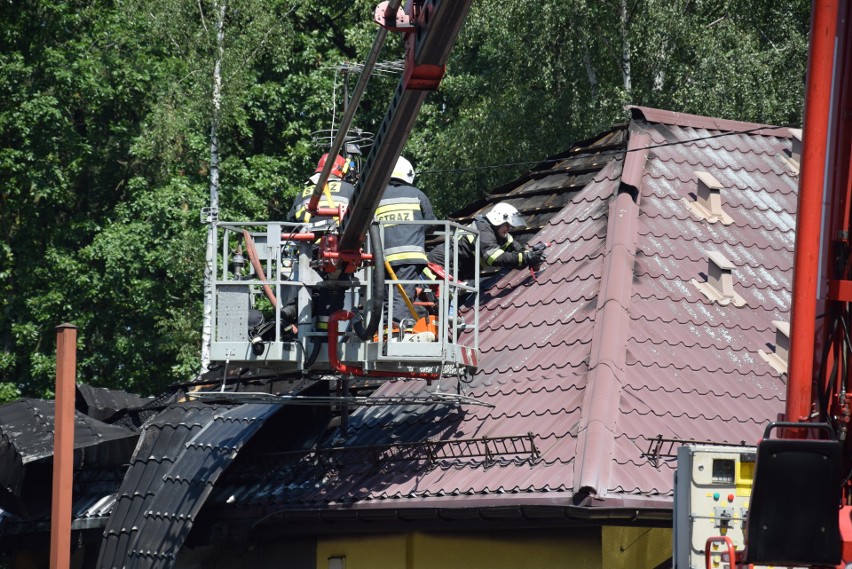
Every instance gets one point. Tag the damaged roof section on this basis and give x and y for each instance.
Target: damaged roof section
(26, 451)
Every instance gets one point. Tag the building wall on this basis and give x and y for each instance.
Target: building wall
(632, 547)
(567, 548)
(271, 554)
(575, 549)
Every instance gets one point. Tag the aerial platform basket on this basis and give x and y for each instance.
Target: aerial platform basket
(266, 275)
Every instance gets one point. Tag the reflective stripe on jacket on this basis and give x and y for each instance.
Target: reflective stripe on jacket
(404, 244)
(493, 250)
(341, 193)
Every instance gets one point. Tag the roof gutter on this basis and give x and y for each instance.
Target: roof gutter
(318, 522)
(599, 422)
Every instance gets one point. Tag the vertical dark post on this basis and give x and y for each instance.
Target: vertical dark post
(63, 446)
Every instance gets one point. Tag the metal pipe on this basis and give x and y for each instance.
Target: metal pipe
(63, 447)
(346, 370)
(808, 222)
(351, 107)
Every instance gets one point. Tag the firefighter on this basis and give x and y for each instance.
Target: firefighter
(326, 300)
(497, 248)
(404, 244)
(336, 193)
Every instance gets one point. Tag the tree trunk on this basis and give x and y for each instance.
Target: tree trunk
(590, 71)
(625, 51)
(214, 184)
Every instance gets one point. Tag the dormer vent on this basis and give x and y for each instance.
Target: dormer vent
(793, 157)
(719, 286)
(779, 358)
(782, 339)
(720, 274)
(709, 193)
(708, 199)
(796, 149)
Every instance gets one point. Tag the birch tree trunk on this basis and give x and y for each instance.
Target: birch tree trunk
(214, 184)
(627, 80)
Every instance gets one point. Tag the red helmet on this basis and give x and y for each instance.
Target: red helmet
(338, 170)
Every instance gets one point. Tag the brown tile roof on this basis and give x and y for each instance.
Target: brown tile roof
(611, 346)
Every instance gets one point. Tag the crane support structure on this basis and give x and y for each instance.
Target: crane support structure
(812, 193)
(435, 24)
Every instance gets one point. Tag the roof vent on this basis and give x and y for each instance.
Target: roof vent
(795, 158)
(719, 286)
(779, 358)
(797, 145)
(708, 200)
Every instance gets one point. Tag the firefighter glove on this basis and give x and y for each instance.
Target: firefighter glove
(533, 258)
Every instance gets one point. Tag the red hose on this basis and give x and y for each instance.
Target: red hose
(258, 268)
(342, 368)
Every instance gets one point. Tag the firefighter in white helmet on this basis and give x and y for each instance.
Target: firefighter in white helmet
(404, 244)
(497, 248)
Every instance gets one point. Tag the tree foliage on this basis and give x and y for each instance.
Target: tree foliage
(105, 110)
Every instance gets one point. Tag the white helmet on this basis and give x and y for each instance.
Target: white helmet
(505, 213)
(403, 171)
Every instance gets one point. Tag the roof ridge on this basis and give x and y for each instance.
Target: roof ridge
(653, 115)
(599, 416)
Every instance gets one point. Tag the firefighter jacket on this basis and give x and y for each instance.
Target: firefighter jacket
(404, 244)
(494, 251)
(339, 193)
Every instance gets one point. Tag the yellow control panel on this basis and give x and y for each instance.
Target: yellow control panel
(712, 491)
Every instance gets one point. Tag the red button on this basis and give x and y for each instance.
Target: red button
(730, 497)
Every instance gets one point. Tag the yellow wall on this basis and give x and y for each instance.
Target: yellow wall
(630, 547)
(575, 549)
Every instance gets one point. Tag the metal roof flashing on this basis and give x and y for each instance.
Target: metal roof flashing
(652, 115)
(719, 286)
(598, 423)
(708, 200)
(778, 359)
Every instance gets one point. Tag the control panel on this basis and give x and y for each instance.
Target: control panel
(712, 491)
